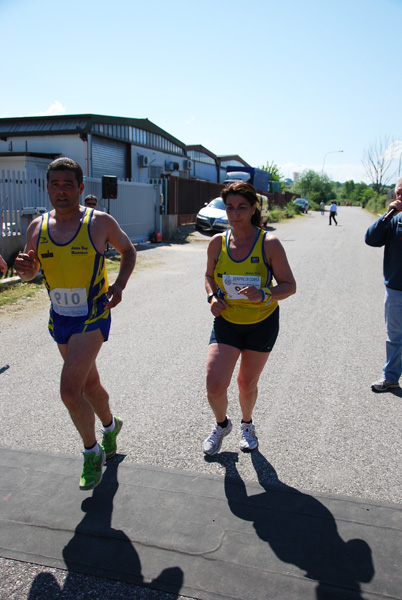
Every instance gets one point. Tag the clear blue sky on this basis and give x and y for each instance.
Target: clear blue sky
(288, 81)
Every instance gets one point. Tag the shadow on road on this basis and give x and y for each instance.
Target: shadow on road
(97, 549)
(299, 529)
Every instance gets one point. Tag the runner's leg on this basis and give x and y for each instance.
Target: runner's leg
(251, 366)
(96, 395)
(79, 356)
(221, 361)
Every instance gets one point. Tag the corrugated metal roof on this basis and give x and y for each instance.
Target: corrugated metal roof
(202, 149)
(29, 125)
(67, 124)
(233, 157)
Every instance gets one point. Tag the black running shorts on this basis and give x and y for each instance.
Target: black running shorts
(260, 337)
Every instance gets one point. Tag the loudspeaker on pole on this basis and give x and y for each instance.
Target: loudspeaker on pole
(109, 186)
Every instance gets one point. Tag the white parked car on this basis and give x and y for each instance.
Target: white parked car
(212, 216)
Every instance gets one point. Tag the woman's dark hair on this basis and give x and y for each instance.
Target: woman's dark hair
(66, 164)
(241, 188)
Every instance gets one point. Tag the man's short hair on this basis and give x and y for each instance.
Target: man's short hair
(66, 164)
(91, 200)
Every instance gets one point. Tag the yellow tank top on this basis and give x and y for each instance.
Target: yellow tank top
(75, 273)
(232, 275)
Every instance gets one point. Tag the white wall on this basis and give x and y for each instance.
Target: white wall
(32, 166)
(66, 145)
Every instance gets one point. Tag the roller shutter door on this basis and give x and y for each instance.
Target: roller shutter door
(109, 158)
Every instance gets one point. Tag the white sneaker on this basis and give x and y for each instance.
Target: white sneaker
(213, 443)
(248, 440)
(382, 385)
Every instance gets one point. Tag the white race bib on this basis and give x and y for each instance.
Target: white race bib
(69, 303)
(234, 283)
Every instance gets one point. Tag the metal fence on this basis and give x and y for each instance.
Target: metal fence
(20, 197)
(136, 208)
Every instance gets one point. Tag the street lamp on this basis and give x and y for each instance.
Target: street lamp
(325, 156)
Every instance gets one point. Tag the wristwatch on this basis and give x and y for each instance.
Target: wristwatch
(210, 296)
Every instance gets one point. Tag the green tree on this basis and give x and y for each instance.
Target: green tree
(274, 172)
(348, 188)
(363, 193)
(314, 186)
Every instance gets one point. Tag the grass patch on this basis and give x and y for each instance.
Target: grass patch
(113, 263)
(278, 213)
(18, 291)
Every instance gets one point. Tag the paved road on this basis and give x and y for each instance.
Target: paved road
(319, 424)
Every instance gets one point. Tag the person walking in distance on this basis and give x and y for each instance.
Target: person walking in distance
(241, 265)
(68, 244)
(332, 213)
(387, 232)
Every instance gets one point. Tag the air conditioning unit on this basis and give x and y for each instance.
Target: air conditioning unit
(143, 161)
(169, 166)
(187, 164)
(33, 210)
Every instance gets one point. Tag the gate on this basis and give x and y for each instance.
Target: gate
(136, 208)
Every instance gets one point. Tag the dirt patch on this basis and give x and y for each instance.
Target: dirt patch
(25, 306)
(188, 234)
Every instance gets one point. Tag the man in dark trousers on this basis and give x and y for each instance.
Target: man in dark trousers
(332, 213)
(387, 232)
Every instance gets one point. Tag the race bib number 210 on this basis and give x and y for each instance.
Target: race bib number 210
(69, 302)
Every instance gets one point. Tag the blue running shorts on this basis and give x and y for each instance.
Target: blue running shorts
(62, 328)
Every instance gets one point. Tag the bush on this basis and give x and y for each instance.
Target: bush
(274, 214)
(291, 210)
(278, 213)
(376, 204)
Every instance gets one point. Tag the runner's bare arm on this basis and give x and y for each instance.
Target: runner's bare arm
(214, 248)
(27, 264)
(276, 256)
(3, 265)
(120, 242)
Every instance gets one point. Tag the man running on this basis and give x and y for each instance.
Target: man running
(68, 244)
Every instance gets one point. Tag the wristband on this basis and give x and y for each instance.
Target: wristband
(267, 295)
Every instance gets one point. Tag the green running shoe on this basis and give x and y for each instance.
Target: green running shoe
(109, 439)
(92, 471)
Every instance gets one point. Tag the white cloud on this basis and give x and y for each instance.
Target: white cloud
(347, 172)
(189, 121)
(54, 109)
(394, 150)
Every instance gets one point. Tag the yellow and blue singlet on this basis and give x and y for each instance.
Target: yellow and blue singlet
(232, 275)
